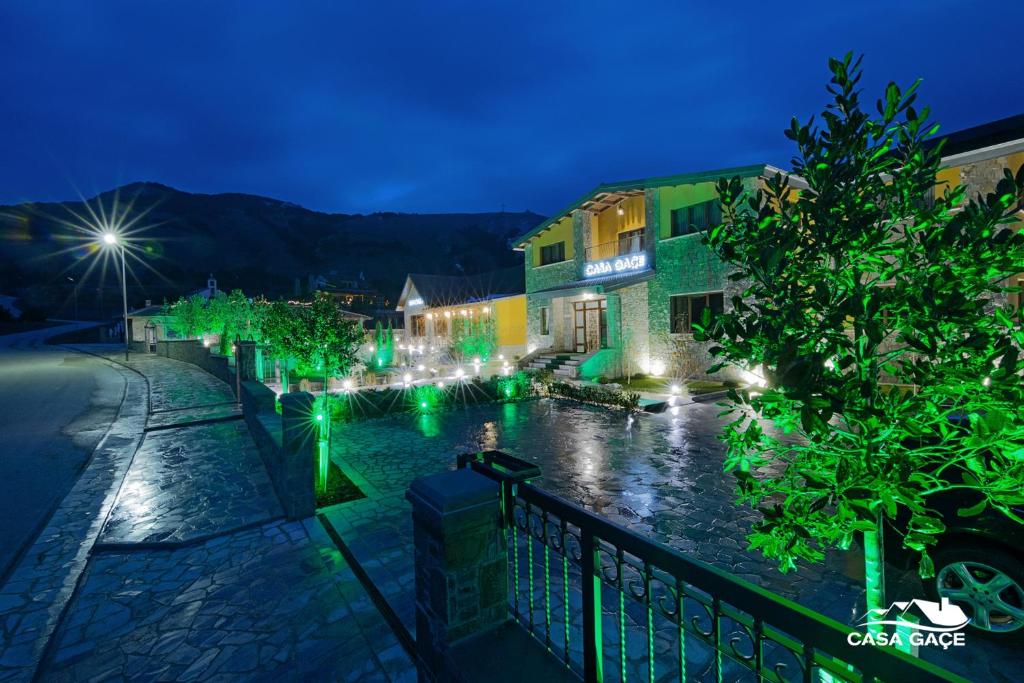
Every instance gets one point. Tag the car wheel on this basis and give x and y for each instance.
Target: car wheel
(986, 582)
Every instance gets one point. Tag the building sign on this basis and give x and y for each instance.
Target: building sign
(414, 302)
(620, 264)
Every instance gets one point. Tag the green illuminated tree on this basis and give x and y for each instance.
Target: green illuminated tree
(473, 337)
(874, 306)
(316, 335)
(187, 317)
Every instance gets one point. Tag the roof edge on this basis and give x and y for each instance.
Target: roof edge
(655, 181)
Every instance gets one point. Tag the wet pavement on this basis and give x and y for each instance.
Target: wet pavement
(661, 477)
(170, 560)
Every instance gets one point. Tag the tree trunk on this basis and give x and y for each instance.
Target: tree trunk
(874, 573)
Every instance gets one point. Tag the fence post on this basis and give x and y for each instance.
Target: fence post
(245, 361)
(461, 564)
(593, 664)
(298, 453)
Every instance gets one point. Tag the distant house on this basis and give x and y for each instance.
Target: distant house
(433, 304)
(349, 291)
(149, 324)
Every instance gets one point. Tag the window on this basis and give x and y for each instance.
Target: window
(552, 253)
(696, 218)
(419, 326)
(631, 242)
(440, 326)
(545, 320)
(686, 309)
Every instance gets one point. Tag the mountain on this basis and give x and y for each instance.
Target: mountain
(257, 244)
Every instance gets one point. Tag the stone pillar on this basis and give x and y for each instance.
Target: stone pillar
(298, 455)
(245, 361)
(461, 564)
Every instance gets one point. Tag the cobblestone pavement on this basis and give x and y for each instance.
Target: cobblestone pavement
(256, 605)
(192, 482)
(662, 477)
(42, 583)
(194, 576)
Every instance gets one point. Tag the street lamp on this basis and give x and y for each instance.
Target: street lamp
(110, 239)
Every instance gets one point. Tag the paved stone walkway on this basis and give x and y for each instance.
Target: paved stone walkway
(192, 482)
(42, 583)
(662, 477)
(194, 576)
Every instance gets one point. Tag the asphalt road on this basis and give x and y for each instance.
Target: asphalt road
(55, 406)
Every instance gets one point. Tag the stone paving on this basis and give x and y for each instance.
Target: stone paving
(194, 575)
(257, 605)
(42, 583)
(192, 482)
(660, 475)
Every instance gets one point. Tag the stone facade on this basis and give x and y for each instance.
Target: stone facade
(461, 564)
(639, 338)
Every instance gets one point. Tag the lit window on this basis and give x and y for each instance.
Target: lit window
(687, 309)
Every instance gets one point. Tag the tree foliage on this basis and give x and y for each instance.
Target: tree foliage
(317, 335)
(878, 318)
(474, 337)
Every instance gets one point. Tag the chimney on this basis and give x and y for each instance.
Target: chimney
(149, 302)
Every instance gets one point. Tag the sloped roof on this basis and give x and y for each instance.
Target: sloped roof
(452, 290)
(626, 187)
(978, 137)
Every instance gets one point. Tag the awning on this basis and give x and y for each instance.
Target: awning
(604, 283)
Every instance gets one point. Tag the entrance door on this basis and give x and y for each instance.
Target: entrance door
(590, 328)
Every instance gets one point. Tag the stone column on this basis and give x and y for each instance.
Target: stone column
(245, 361)
(294, 478)
(461, 564)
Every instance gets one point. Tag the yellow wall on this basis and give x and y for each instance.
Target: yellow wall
(678, 196)
(511, 320)
(606, 226)
(560, 231)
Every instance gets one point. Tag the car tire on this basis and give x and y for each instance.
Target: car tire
(986, 577)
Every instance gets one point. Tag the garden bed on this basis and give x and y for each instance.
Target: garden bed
(340, 489)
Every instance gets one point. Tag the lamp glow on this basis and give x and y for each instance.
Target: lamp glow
(109, 238)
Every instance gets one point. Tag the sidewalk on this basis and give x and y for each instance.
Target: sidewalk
(183, 568)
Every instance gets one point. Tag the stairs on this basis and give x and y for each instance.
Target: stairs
(563, 365)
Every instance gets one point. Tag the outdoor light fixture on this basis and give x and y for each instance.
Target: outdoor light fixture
(657, 367)
(440, 385)
(430, 316)
(407, 378)
(476, 360)
(421, 367)
(675, 389)
(447, 314)
(110, 239)
(459, 373)
(486, 309)
(464, 312)
(372, 348)
(347, 384)
(501, 356)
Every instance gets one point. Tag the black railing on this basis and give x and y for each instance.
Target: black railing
(614, 605)
(623, 246)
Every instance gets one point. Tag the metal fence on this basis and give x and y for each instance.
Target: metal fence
(616, 606)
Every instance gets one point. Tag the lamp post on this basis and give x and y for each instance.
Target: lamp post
(110, 239)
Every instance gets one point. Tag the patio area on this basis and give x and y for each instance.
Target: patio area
(659, 475)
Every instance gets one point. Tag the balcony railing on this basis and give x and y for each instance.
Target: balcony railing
(624, 246)
(614, 605)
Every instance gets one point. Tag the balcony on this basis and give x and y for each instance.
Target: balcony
(626, 254)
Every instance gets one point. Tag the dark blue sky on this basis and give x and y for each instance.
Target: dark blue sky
(455, 106)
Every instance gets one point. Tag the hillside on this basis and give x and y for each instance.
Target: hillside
(260, 245)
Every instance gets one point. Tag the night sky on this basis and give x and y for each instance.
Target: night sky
(467, 106)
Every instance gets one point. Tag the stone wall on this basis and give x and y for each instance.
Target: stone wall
(291, 468)
(192, 351)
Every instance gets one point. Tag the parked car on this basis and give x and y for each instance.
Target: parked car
(979, 564)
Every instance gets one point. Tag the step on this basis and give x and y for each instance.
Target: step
(538, 365)
(565, 372)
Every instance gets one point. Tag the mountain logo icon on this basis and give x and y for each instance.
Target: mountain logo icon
(924, 615)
